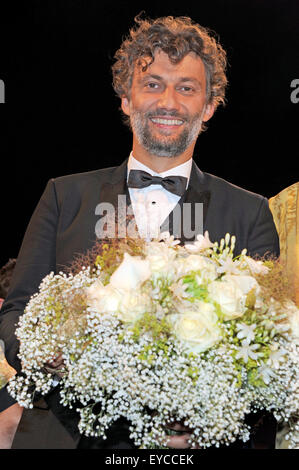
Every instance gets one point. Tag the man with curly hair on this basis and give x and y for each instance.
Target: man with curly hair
(170, 76)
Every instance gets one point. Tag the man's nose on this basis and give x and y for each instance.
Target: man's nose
(168, 99)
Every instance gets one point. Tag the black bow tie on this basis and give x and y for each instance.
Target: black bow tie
(142, 179)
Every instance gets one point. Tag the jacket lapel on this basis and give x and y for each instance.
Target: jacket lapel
(188, 218)
(115, 195)
(115, 186)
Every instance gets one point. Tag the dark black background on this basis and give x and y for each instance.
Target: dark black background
(61, 115)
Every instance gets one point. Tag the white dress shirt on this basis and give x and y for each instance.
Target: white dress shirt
(153, 204)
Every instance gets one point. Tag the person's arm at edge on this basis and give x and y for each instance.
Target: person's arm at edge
(263, 239)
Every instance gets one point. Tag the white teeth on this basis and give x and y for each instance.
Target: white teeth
(169, 122)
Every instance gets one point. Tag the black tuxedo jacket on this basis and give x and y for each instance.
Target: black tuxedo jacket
(63, 225)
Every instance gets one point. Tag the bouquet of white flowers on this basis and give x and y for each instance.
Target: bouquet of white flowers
(156, 333)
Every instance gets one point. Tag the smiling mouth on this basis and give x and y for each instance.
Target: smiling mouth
(167, 122)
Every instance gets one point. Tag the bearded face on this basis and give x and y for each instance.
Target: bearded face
(167, 105)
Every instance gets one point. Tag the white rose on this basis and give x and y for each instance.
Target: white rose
(207, 268)
(198, 329)
(103, 299)
(245, 283)
(160, 257)
(158, 263)
(131, 273)
(133, 306)
(293, 317)
(206, 309)
(229, 296)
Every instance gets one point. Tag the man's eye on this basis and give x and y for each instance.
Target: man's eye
(152, 85)
(186, 89)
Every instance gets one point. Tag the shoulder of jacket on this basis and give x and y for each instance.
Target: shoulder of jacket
(215, 183)
(79, 179)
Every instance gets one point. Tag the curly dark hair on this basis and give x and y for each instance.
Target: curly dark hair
(5, 277)
(176, 37)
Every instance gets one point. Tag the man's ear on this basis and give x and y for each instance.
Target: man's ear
(209, 111)
(125, 105)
